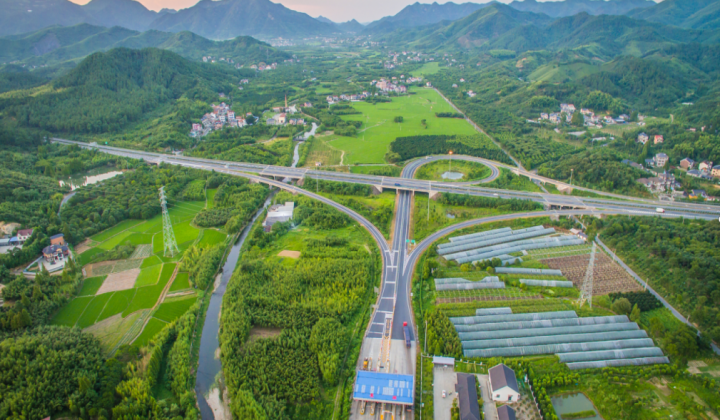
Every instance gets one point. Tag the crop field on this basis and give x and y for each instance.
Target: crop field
(211, 197)
(166, 273)
(517, 306)
(70, 313)
(86, 256)
(93, 310)
(379, 129)
(124, 265)
(151, 261)
(170, 311)
(608, 276)
(90, 286)
(212, 237)
(427, 69)
(509, 293)
(117, 303)
(153, 327)
(120, 227)
(181, 282)
(148, 276)
(184, 233)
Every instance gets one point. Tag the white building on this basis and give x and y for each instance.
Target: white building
(503, 384)
(277, 214)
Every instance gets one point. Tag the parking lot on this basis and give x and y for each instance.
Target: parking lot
(443, 379)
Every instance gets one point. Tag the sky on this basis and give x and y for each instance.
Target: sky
(365, 11)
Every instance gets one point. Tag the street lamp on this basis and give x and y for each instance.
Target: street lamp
(450, 153)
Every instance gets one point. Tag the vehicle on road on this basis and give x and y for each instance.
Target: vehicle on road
(406, 331)
(444, 394)
(660, 210)
(397, 185)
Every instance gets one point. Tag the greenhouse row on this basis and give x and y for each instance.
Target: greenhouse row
(533, 332)
(587, 356)
(480, 234)
(475, 285)
(552, 243)
(501, 239)
(559, 348)
(512, 317)
(546, 283)
(545, 323)
(504, 246)
(539, 271)
(554, 339)
(619, 363)
(473, 239)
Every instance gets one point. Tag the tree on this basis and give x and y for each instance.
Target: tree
(244, 406)
(577, 119)
(635, 314)
(622, 306)
(398, 119)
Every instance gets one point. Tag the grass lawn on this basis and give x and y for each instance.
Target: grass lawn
(427, 69)
(120, 227)
(148, 276)
(472, 171)
(212, 237)
(378, 130)
(117, 303)
(87, 256)
(151, 261)
(93, 310)
(153, 327)
(439, 216)
(140, 239)
(69, 314)
(211, 198)
(91, 285)
(170, 311)
(509, 181)
(181, 282)
(383, 170)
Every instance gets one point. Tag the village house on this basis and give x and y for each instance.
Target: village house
(506, 412)
(555, 118)
(643, 138)
(278, 213)
(695, 194)
(661, 159)
(503, 384)
(567, 108)
(694, 173)
(687, 163)
(715, 171)
(55, 253)
(705, 166)
(23, 235)
(658, 139)
(471, 94)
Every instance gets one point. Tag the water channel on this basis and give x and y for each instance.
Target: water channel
(209, 365)
(574, 403)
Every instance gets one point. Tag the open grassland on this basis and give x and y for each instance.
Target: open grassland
(442, 215)
(153, 327)
(427, 69)
(212, 237)
(170, 311)
(379, 129)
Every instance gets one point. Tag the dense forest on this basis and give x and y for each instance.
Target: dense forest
(310, 302)
(241, 146)
(404, 148)
(659, 249)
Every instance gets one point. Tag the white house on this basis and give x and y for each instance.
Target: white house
(503, 384)
(661, 159)
(278, 213)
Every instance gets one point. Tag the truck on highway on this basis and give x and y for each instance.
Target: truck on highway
(406, 331)
(660, 210)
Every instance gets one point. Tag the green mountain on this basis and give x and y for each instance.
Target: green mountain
(109, 90)
(419, 14)
(695, 14)
(126, 13)
(58, 44)
(226, 19)
(573, 7)
(21, 16)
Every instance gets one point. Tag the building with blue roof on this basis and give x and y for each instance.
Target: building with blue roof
(384, 387)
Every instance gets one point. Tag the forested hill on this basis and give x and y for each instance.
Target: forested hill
(501, 27)
(59, 44)
(107, 91)
(695, 14)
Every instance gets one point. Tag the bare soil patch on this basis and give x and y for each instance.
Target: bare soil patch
(289, 254)
(119, 281)
(257, 333)
(99, 269)
(608, 276)
(694, 365)
(82, 246)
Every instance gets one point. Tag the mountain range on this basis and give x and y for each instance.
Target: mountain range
(694, 14)
(59, 44)
(573, 7)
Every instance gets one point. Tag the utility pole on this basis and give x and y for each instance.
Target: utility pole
(572, 171)
(429, 194)
(169, 244)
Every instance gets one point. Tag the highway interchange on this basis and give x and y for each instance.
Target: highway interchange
(398, 262)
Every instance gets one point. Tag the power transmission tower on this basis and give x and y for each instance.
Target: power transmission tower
(587, 286)
(170, 244)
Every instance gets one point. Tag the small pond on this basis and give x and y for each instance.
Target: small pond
(453, 175)
(450, 216)
(90, 177)
(573, 403)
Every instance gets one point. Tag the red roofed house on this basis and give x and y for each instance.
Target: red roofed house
(659, 139)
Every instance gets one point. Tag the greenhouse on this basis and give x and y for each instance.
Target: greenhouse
(509, 234)
(619, 363)
(544, 272)
(554, 339)
(453, 280)
(533, 332)
(480, 234)
(545, 323)
(546, 283)
(482, 250)
(587, 356)
(493, 311)
(499, 240)
(512, 317)
(559, 348)
(472, 285)
(554, 244)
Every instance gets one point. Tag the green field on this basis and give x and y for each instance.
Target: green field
(170, 311)
(153, 327)
(145, 298)
(151, 261)
(93, 310)
(181, 282)
(184, 232)
(427, 68)
(91, 285)
(212, 237)
(120, 227)
(211, 198)
(472, 171)
(148, 276)
(166, 273)
(117, 303)
(87, 256)
(69, 314)
(378, 130)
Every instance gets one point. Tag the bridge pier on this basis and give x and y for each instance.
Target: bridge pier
(377, 189)
(434, 195)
